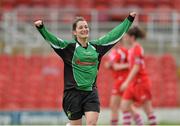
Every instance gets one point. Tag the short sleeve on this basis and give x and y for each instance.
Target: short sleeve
(138, 54)
(113, 57)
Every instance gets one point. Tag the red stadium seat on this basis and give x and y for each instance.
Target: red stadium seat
(104, 84)
(85, 4)
(115, 7)
(164, 66)
(170, 82)
(21, 3)
(54, 3)
(5, 81)
(8, 4)
(5, 62)
(103, 16)
(176, 5)
(40, 86)
(148, 2)
(147, 9)
(38, 3)
(165, 2)
(132, 2)
(164, 10)
(116, 3)
(70, 4)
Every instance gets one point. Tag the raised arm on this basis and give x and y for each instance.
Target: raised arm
(54, 41)
(116, 34)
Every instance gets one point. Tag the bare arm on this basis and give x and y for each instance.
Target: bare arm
(120, 66)
(130, 77)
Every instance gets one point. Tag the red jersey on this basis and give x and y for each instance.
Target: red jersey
(139, 89)
(136, 56)
(119, 55)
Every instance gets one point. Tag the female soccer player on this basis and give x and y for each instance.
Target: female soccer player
(137, 85)
(81, 62)
(119, 65)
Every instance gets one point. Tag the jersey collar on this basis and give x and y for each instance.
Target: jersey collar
(79, 44)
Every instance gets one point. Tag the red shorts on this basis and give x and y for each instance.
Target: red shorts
(116, 86)
(138, 91)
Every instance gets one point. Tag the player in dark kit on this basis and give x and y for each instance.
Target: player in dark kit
(81, 63)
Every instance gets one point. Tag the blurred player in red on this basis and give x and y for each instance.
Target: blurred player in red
(118, 63)
(137, 85)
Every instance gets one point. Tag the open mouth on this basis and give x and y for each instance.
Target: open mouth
(84, 34)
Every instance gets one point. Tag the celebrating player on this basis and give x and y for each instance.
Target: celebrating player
(81, 62)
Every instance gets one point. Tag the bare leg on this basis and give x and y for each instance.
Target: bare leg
(114, 105)
(126, 109)
(91, 118)
(136, 116)
(149, 112)
(76, 122)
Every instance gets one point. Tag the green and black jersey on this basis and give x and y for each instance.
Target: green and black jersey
(81, 64)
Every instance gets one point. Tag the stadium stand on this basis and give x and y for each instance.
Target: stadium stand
(170, 81)
(27, 83)
(100, 5)
(8, 4)
(152, 63)
(36, 82)
(164, 79)
(19, 80)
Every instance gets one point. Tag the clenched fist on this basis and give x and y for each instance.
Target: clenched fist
(133, 14)
(38, 23)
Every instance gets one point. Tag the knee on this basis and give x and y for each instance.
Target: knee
(148, 109)
(91, 118)
(125, 107)
(114, 107)
(91, 121)
(148, 112)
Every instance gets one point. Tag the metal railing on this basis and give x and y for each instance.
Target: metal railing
(17, 25)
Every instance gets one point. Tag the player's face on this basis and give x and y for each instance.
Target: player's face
(128, 39)
(125, 38)
(82, 30)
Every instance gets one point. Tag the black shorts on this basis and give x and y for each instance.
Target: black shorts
(77, 102)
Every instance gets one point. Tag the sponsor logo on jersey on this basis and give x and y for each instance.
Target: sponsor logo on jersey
(84, 63)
